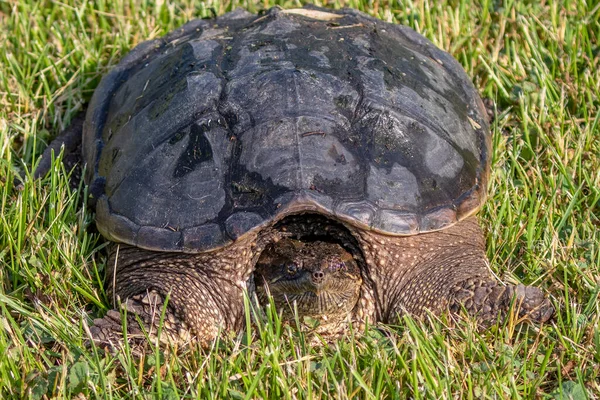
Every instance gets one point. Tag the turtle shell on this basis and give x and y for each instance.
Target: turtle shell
(225, 125)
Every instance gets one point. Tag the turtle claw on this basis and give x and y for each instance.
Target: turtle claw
(108, 333)
(143, 320)
(531, 302)
(488, 301)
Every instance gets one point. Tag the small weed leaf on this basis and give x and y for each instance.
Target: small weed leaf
(78, 376)
(37, 386)
(570, 390)
(236, 394)
(168, 393)
(151, 361)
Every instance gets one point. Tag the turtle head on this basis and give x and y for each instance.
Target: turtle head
(320, 279)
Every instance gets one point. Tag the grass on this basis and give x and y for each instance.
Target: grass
(540, 64)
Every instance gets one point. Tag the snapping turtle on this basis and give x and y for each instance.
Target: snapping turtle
(325, 158)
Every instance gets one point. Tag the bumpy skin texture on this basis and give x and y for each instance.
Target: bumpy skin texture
(438, 271)
(203, 292)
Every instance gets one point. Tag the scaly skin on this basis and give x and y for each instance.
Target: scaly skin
(204, 292)
(445, 270)
(440, 270)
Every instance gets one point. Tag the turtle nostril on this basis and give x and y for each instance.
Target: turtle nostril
(318, 276)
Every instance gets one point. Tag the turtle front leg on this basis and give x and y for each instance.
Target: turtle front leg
(144, 318)
(444, 270)
(203, 294)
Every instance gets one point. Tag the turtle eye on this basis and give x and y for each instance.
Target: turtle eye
(339, 266)
(292, 268)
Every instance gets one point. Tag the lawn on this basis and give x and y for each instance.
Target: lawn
(538, 62)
